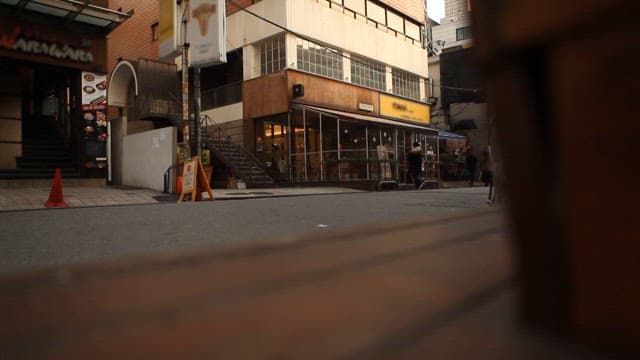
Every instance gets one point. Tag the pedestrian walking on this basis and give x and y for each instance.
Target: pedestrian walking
(416, 162)
(471, 164)
(487, 169)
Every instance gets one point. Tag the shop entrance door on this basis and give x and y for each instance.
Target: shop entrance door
(38, 115)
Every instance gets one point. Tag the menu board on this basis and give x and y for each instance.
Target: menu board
(94, 118)
(94, 91)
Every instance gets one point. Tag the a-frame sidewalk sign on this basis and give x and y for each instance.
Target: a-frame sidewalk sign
(194, 180)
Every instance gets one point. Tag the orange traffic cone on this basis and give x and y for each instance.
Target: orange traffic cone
(56, 199)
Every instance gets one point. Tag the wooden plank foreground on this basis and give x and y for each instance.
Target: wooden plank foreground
(413, 289)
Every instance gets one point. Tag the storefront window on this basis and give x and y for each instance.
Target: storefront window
(327, 148)
(330, 147)
(272, 145)
(402, 156)
(353, 151)
(382, 159)
(429, 145)
(313, 145)
(298, 149)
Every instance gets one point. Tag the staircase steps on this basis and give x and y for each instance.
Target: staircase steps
(43, 150)
(67, 173)
(240, 163)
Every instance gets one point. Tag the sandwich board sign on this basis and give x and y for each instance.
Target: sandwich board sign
(194, 180)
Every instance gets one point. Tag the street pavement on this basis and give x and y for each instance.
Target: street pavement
(33, 198)
(46, 237)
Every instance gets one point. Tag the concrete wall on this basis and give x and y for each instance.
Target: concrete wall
(225, 113)
(244, 29)
(146, 156)
(455, 7)
(411, 8)
(437, 112)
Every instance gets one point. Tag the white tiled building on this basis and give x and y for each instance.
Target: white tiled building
(455, 27)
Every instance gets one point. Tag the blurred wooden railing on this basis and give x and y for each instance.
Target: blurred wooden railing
(407, 289)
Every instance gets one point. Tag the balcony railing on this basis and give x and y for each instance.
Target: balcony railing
(221, 96)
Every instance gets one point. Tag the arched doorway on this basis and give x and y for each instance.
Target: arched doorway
(122, 94)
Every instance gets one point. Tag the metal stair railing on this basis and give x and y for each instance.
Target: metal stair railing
(209, 129)
(248, 167)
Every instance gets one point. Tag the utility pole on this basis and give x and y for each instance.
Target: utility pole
(186, 120)
(196, 109)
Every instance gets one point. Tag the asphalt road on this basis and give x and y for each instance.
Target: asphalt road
(42, 238)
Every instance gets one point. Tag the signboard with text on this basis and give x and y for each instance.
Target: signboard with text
(398, 108)
(195, 180)
(188, 176)
(94, 91)
(94, 119)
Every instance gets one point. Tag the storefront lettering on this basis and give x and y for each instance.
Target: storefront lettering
(401, 107)
(14, 41)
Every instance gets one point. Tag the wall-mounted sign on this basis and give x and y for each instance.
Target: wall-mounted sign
(206, 32)
(36, 43)
(398, 108)
(365, 107)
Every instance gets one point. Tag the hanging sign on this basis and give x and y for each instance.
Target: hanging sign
(206, 31)
(168, 29)
(194, 180)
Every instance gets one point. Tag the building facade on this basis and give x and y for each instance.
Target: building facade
(335, 91)
(53, 61)
(329, 90)
(461, 106)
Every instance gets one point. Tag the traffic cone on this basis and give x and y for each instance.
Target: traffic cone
(56, 199)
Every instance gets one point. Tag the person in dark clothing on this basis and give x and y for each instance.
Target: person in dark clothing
(275, 157)
(415, 158)
(486, 168)
(471, 163)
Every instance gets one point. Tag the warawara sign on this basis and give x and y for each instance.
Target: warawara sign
(207, 32)
(15, 40)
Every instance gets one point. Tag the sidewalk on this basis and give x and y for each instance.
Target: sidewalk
(77, 196)
(30, 198)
